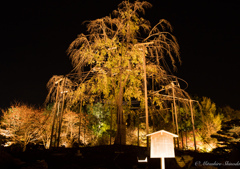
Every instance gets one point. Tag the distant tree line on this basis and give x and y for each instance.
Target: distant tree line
(22, 124)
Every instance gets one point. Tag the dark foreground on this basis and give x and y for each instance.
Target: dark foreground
(109, 157)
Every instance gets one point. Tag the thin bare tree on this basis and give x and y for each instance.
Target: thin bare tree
(60, 87)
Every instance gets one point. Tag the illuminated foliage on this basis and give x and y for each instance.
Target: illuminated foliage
(207, 121)
(228, 136)
(72, 126)
(23, 123)
(211, 121)
(137, 135)
(101, 122)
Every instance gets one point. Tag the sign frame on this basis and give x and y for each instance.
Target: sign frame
(162, 145)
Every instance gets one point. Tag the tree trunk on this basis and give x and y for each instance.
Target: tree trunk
(186, 139)
(174, 131)
(146, 99)
(53, 126)
(61, 113)
(111, 129)
(186, 132)
(25, 142)
(175, 108)
(121, 127)
(24, 147)
(54, 118)
(138, 129)
(194, 138)
(80, 121)
(60, 123)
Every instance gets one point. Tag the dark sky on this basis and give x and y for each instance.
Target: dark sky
(36, 34)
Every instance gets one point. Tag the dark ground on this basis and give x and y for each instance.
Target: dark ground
(102, 157)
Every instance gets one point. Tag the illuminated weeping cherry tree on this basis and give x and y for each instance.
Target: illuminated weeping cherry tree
(59, 88)
(117, 58)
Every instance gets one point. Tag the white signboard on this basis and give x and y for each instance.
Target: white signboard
(162, 144)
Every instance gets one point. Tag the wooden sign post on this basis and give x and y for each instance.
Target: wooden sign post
(162, 145)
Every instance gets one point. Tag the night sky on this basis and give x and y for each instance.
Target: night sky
(36, 34)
